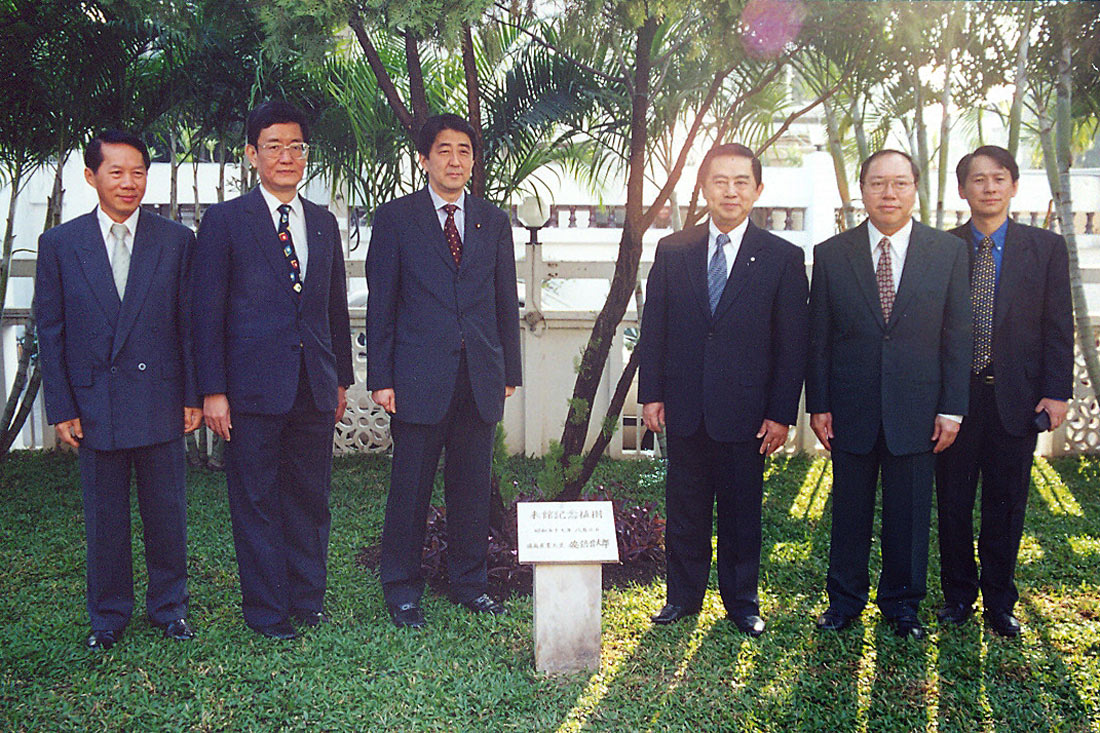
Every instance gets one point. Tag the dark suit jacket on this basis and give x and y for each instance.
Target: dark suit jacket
(897, 375)
(745, 363)
(124, 368)
(421, 308)
(251, 334)
(1032, 323)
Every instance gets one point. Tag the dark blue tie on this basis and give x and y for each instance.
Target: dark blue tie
(716, 273)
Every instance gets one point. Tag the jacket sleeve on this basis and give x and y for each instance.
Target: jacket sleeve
(1057, 326)
(507, 305)
(819, 361)
(791, 322)
(210, 273)
(49, 312)
(185, 324)
(338, 318)
(383, 281)
(956, 339)
(654, 336)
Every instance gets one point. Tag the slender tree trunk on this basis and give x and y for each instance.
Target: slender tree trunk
(9, 234)
(173, 179)
(923, 187)
(473, 110)
(57, 195)
(417, 95)
(860, 133)
(836, 152)
(195, 188)
(1016, 112)
(945, 134)
(221, 171)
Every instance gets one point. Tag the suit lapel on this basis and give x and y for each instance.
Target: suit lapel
(1014, 265)
(320, 249)
(743, 267)
(695, 266)
(917, 259)
(472, 241)
(144, 258)
(426, 216)
(858, 250)
(92, 252)
(267, 241)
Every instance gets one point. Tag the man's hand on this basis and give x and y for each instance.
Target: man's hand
(774, 436)
(70, 432)
(822, 425)
(1055, 408)
(509, 391)
(653, 415)
(215, 410)
(341, 402)
(384, 398)
(944, 434)
(192, 419)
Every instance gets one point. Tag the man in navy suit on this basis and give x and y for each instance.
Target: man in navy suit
(886, 387)
(442, 356)
(273, 356)
(111, 299)
(723, 354)
(1022, 371)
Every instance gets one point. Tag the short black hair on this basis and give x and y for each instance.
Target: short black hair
(888, 151)
(93, 154)
(274, 112)
(996, 153)
(437, 124)
(733, 150)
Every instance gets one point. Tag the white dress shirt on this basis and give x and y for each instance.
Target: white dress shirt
(460, 216)
(730, 249)
(105, 224)
(297, 221)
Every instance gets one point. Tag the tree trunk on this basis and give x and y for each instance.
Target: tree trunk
(12, 421)
(860, 133)
(836, 152)
(221, 171)
(417, 96)
(1016, 112)
(945, 133)
(195, 189)
(173, 179)
(9, 234)
(57, 195)
(473, 110)
(923, 188)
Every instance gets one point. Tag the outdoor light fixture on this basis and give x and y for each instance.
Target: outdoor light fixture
(533, 214)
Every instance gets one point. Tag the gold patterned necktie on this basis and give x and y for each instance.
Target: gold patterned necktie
(884, 275)
(983, 283)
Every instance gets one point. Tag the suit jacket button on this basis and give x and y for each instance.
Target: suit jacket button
(114, 370)
(141, 366)
(886, 337)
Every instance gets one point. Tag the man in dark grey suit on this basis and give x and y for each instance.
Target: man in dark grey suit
(442, 356)
(886, 386)
(1021, 379)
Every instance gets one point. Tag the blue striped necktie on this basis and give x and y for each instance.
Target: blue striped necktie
(716, 272)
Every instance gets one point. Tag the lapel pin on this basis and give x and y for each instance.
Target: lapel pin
(752, 259)
(477, 226)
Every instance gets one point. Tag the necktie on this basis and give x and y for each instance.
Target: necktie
(983, 281)
(288, 249)
(120, 257)
(884, 274)
(450, 233)
(716, 272)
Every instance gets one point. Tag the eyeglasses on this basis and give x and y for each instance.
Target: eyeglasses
(900, 185)
(298, 151)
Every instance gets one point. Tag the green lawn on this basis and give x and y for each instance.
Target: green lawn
(476, 674)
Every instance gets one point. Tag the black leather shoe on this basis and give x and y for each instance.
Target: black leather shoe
(407, 616)
(955, 613)
(101, 641)
(1003, 623)
(752, 624)
(312, 619)
(833, 621)
(907, 627)
(179, 630)
(283, 631)
(672, 613)
(485, 604)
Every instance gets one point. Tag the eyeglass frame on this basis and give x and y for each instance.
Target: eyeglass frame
(900, 185)
(274, 151)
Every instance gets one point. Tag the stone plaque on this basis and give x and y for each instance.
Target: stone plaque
(568, 532)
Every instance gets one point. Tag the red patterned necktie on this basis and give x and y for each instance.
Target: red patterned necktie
(450, 233)
(884, 274)
(983, 283)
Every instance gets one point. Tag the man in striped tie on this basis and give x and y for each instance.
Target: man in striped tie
(887, 387)
(1021, 378)
(721, 362)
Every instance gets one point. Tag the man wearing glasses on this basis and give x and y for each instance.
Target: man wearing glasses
(887, 386)
(273, 353)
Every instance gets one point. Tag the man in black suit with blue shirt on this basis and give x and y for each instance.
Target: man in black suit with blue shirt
(442, 356)
(722, 357)
(1021, 379)
(111, 299)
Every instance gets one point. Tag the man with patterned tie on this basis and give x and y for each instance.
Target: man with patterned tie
(442, 355)
(886, 386)
(1021, 379)
(273, 355)
(721, 361)
(111, 299)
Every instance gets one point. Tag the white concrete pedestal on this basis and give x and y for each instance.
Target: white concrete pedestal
(567, 617)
